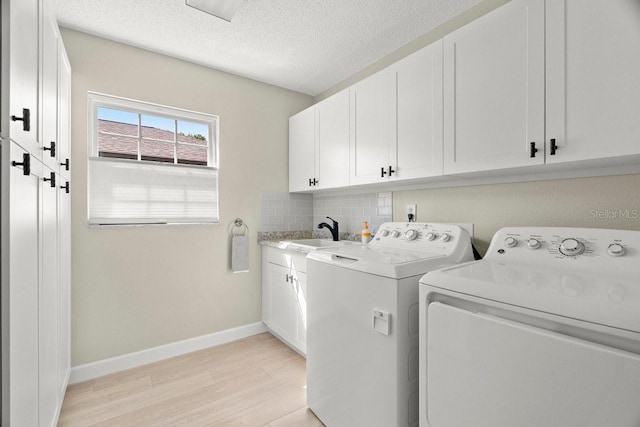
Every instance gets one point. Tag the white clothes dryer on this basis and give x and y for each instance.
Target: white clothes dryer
(362, 323)
(544, 331)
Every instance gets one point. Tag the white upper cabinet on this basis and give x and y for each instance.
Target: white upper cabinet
(415, 149)
(49, 104)
(370, 129)
(319, 145)
(23, 32)
(64, 112)
(494, 90)
(593, 84)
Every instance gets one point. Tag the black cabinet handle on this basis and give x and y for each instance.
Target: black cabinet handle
(310, 182)
(315, 182)
(52, 179)
(51, 149)
(65, 164)
(25, 119)
(65, 187)
(382, 172)
(26, 164)
(554, 147)
(533, 149)
(391, 171)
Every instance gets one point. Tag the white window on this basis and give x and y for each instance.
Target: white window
(151, 164)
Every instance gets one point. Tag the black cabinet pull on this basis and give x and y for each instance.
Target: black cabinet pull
(310, 182)
(391, 171)
(26, 164)
(65, 164)
(534, 150)
(65, 187)
(52, 149)
(52, 179)
(315, 182)
(382, 172)
(25, 119)
(554, 147)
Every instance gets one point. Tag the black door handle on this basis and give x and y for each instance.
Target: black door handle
(65, 164)
(52, 149)
(51, 179)
(26, 164)
(554, 147)
(533, 149)
(25, 119)
(65, 187)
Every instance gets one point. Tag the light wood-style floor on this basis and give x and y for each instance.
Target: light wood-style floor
(256, 381)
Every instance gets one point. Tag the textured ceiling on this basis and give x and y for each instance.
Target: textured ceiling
(303, 45)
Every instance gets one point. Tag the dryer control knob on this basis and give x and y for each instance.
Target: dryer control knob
(445, 237)
(384, 233)
(510, 242)
(411, 234)
(430, 236)
(571, 247)
(615, 249)
(395, 233)
(533, 243)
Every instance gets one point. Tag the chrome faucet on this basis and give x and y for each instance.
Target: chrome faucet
(333, 230)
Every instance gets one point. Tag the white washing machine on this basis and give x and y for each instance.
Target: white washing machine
(362, 323)
(544, 331)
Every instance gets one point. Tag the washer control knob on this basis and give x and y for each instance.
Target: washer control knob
(615, 249)
(510, 242)
(571, 247)
(533, 243)
(395, 233)
(384, 233)
(411, 234)
(445, 237)
(430, 236)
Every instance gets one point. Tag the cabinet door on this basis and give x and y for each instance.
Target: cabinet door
(64, 287)
(300, 311)
(281, 307)
(370, 129)
(48, 302)
(23, 71)
(64, 111)
(494, 90)
(49, 78)
(416, 126)
(302, 150)
(20, 294)
(593, 90)
(332, 149)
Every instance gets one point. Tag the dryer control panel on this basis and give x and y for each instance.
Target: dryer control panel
(589, 248)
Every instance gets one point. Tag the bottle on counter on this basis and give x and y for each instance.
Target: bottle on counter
(366, 234)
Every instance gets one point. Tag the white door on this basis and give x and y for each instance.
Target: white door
(416, 114)
(494, 90)
(485, 371)
(300, 310)
(49, 78)
(64, 287)
(370, 129)
(64, 112)
(593, 89)
(20, 295)
(332, 149)
(48, 301)
(281, 299)
(302, 151)
(23, 71)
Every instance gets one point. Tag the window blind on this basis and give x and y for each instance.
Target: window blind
(133, 192)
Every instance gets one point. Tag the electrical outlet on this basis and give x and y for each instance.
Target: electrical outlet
(412, 213)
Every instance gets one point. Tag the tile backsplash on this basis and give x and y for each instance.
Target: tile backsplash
(303, 212)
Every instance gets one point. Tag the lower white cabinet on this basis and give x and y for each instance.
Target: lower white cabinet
(35, 289)
(284, 295)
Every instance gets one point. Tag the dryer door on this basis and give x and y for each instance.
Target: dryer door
(485, 371)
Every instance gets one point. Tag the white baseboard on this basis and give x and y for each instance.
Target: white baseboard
(126, 361)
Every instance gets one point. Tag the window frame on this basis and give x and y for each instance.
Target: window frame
(96, 100)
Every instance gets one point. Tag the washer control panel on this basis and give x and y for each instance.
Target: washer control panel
(592, 247)
(420, 235)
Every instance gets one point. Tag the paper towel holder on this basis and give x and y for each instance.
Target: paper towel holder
(239, 224)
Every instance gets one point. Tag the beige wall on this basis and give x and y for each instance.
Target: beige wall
(140, 287)
(601, 202)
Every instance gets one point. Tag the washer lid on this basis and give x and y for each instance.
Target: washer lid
(381, 260)
(607, 300)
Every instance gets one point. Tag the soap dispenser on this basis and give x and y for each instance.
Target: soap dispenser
(366, 234)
